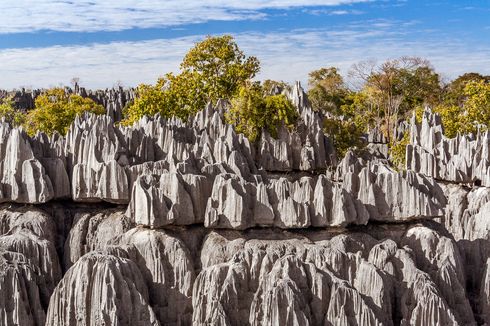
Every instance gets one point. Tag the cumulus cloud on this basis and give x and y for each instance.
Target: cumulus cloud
(111, 15)
(284, 56)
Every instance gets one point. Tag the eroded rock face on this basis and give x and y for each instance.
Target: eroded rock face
(101, 289)
(29, 265)
(409, 273)
(188, 223)
(20, 303)
(93, 232)
(353, 279)
(463, 159)
(168, 270)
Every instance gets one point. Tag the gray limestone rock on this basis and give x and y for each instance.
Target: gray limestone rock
(230, 232)
(92, 232)
(101, 289)
(168, 270)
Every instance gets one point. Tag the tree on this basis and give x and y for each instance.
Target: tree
(274, 87)
(397, 86)
(9, 113)
(344, 133)
(252, 111)
(173, 95)
(55, 110)
(472, 115)
(327, 90)
(214, 68)
(221, 65)
(454, 91)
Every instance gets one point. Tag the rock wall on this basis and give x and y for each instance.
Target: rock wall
(188, 223)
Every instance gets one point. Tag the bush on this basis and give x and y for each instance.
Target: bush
(398, 150)
(213, 69)
(56, 109)
(251, 111)
(10, 113)
(345, 134)
(173, 95)
(472, 115)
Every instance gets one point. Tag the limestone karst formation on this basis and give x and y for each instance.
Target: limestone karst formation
(188, 223)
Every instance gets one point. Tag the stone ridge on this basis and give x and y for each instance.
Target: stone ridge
(463, 159)
(173, 223)
(173, 173)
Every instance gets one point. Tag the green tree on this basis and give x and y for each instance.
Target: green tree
(454, 92)
(252, 111)
(327, 90)
(472, 115)
(221, 65)
(344, 133)
(396, 87)
(398, 151)
(10, 113)
(173, 95)
(56, 109)
(213, 69)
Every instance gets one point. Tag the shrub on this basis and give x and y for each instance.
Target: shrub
(56, 109)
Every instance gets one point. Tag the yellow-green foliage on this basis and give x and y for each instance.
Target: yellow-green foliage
(55, 110)
(353, 118)
(472, 115)
(173, 95)
(453, 119)
(251, 111)
(398, 151)
(220, 65)
(9, 113)
(343, 133)
(327, 90)
(214, 68)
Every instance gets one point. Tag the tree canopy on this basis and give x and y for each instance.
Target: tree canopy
(327, 90)
(173, 95)
(56, 109)
(213, 69)
(221, 66)
(9, 113)
(252, 110)
(472, 114)
(397, 86)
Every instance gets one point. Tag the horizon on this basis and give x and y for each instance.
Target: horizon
(106, 43)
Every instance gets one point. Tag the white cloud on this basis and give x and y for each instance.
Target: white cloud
(115, 15)
(329, 12)
(286, 56)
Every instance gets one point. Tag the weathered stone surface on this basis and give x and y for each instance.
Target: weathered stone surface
(195, 225)
(348, 279)
(463, 159)
(168, 270)
(92, 232)
(20, 302)
(101, 289)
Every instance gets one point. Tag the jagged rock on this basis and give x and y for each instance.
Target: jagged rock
(281, 280)
(166, 199)
(463, 159)
(421, 302)
(290, 237)
(23, 179)
(91, 232)
(101, 289)
(20, 302)
(439, 257)
(390, 195)
(230, 204)
(166, 266)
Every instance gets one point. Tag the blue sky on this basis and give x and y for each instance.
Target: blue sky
(46, 43)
